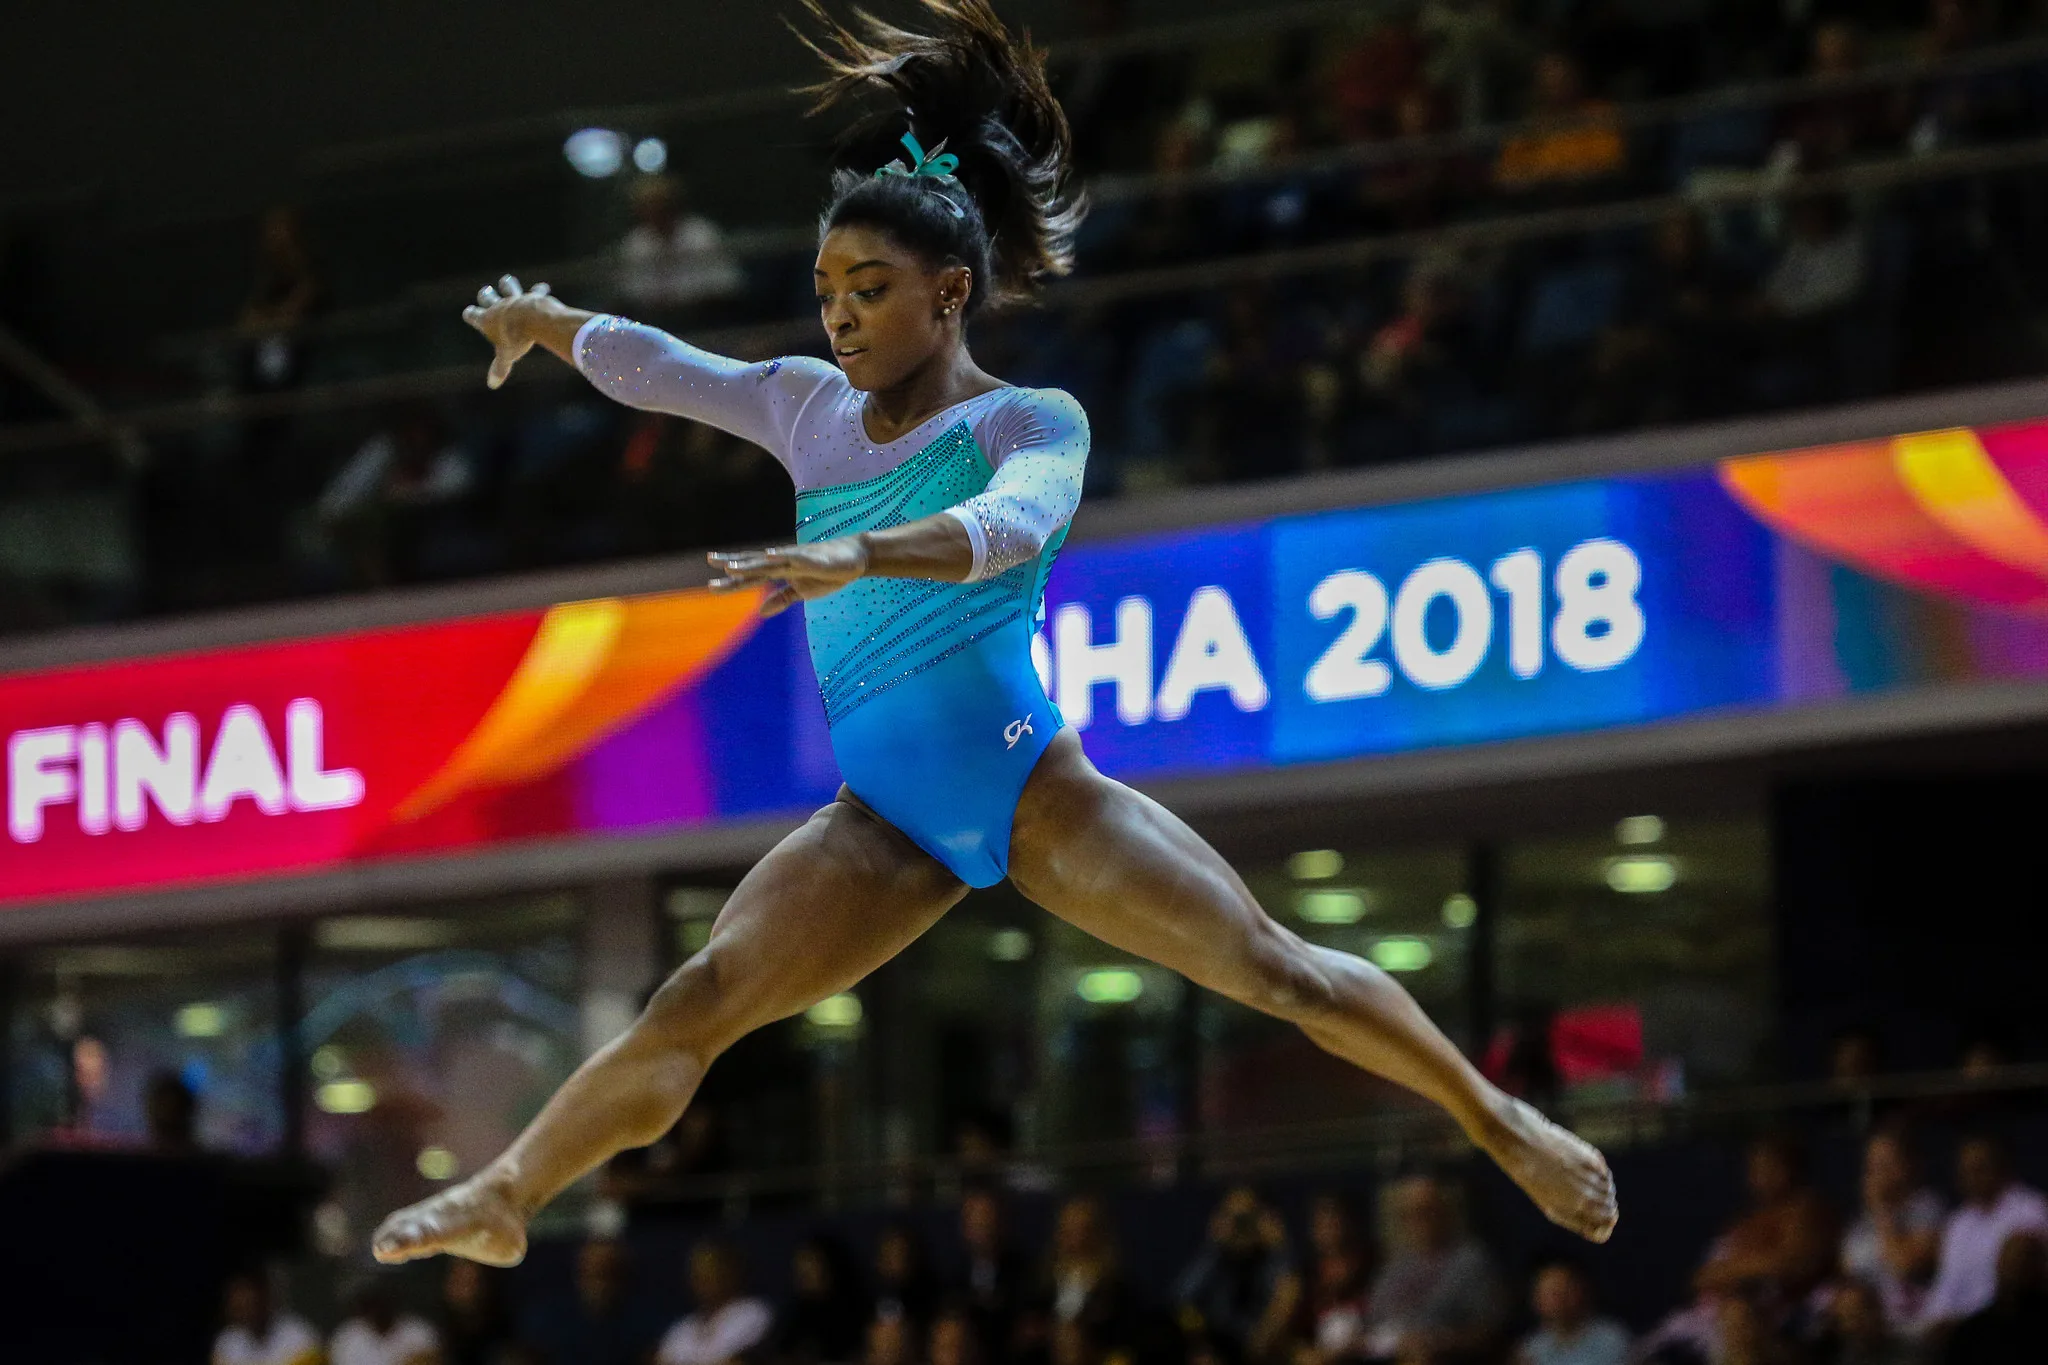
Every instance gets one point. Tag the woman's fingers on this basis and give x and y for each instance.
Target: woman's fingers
(487, 297)
(508, 286)
(782, 599)
(750, 566)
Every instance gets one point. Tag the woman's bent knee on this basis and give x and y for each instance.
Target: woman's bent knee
(696, 1010)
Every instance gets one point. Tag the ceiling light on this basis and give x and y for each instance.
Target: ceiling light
(840, 1011)
(1641, 874)
(346, 1097)
(436, 1163)
(1403, 954)
(1460, 911)
(1639, 829)
(1110, 986)
(650, 154)
(204, 1020)
(1315, 865)
(1331, 907)
(595, 152)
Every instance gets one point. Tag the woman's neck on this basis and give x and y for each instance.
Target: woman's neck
(949, 377)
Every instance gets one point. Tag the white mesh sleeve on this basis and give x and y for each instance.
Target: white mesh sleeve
(1039, 445)
(644, 367)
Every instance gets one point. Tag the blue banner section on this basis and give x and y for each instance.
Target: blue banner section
(1387, 629)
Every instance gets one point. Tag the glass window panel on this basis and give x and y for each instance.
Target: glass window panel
(1639, 955)
(95, 1022)
(431, 1037)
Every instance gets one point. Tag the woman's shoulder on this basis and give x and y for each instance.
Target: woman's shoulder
(1055, 406)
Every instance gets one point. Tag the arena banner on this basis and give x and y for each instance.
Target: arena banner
(1770, 581)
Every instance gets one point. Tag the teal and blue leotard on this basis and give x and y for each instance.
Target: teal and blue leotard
(937, 714)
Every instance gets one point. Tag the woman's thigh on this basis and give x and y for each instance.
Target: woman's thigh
(1117, 864)
(834, 900)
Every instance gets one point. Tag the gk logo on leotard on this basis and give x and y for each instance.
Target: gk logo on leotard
(1015, 731)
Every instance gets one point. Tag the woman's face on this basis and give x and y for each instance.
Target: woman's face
(885, 308)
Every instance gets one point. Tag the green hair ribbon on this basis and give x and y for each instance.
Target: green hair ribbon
(939, 165)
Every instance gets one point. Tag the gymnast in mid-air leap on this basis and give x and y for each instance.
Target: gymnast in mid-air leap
(931, 499)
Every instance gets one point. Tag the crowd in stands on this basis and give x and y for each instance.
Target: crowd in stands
(1465, 224)
(1909, 1273)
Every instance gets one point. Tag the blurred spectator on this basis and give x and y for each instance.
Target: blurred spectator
(1822, 268)
(1241, 1290)
(171, 1111)
(1255, 387)
(1371, 79)
(1084, 1284)
(903, 1285)
(728, 1327)
(1994, 1207)
(1743, 1335)
(1477, 53)
(2013, 1327)
(382, 508)
(1438, 1298)
(1427, 360)
(1110, 93)
(1855, 1058)
(827, 1313)
(1784, 1244)
(1857, 1332)
(993, 1277)
(672, 258)
(1892, 1245)
(1415, 187)
(599, 1325)
(285, 292)
(1569, 137)
(955, 1339)
(476, 1324)
(1961, 106)
(377, 1333)
(257, 1333)
(891, 1341)
(1339, 1279)
(1568, 1332)
(1835, 125)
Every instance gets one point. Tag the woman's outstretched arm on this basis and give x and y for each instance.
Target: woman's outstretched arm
(645, 367)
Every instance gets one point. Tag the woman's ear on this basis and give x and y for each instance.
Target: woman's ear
(956, 282)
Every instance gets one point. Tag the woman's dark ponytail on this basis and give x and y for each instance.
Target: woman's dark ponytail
(1005, 212)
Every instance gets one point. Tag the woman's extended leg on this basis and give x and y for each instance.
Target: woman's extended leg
(1120, 866)
(832, 902)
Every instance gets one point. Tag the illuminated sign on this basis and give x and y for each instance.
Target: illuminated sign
(1770, 581)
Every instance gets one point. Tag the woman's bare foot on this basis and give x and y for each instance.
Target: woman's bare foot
(1561, 1171)
(475, 1220)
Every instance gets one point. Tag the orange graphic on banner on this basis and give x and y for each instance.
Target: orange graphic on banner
(592, 668)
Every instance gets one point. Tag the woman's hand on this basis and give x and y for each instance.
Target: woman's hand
(515, 319)
(796, 573)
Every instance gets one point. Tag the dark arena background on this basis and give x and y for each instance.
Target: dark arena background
(1567, 518)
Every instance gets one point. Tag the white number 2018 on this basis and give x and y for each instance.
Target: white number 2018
(1599, 623)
